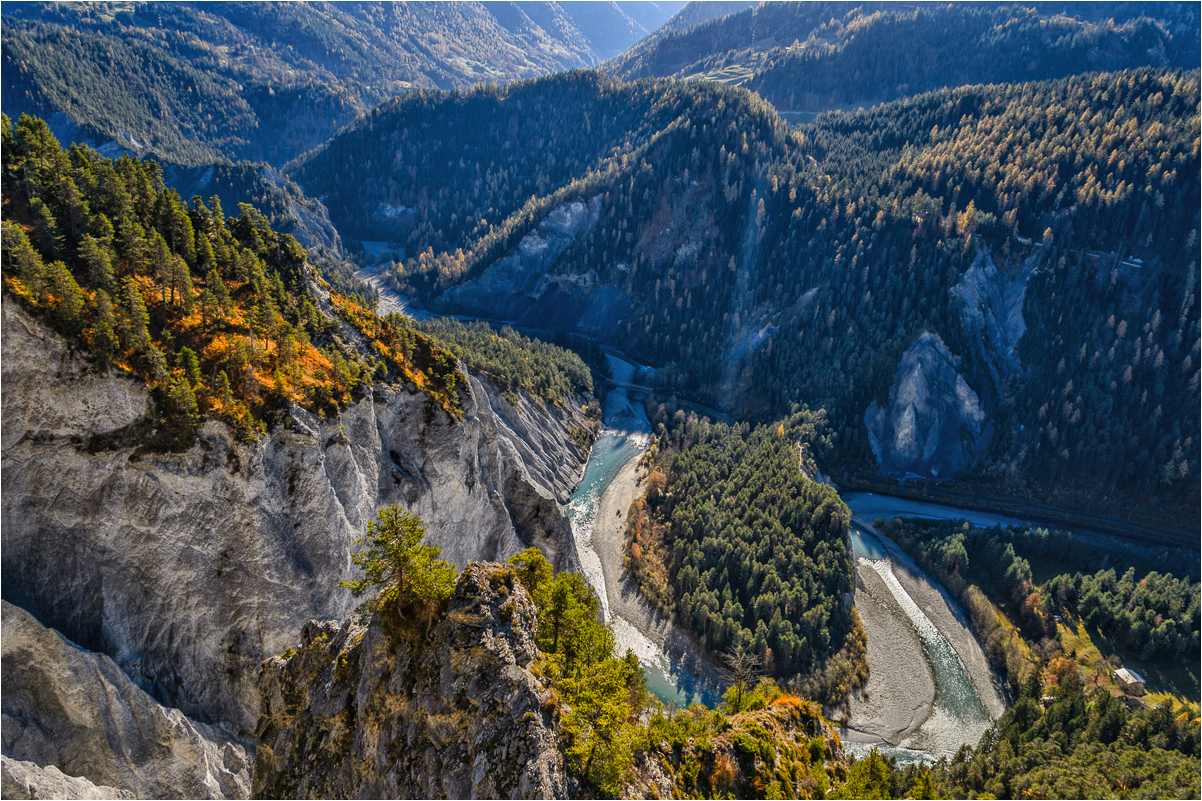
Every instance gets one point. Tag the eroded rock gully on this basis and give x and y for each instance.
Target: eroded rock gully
(189, 569)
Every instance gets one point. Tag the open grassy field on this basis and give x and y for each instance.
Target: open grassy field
(1177, 682)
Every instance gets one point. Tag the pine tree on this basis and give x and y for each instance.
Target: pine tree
(183, 400)
(135, 330)
(96, 261)
(191, 365)
(217, 286)
(21, 259)
(181, 283)
(409, 575)
(221, 391)
(69, 299)
(158, 365)
(104, 334)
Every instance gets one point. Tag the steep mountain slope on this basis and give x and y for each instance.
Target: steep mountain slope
(760, 265)
(180, 540)
(458, 714)
(68, 708)
(816, 56)
(254, 81)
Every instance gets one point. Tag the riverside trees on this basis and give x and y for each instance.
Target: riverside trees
(746, 552)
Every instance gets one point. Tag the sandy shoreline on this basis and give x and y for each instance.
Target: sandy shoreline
(899, 698)
(625, 598)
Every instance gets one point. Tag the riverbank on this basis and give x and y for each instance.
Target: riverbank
(627, 604)
(1089, 515)
(930, 687)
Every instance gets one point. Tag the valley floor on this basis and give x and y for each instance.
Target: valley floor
(626, 600)
(903, 703)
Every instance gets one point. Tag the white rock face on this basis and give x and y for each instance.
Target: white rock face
(70, 708)
(189, 569)
(933, 425)
(993, 311)
(20, 779)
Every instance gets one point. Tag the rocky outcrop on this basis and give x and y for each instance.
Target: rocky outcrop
(78, 722)
(188, 569)
(19, 779)
(993, 312)
(933, 425)
(523, 287)
(788, 744)
(457, 713)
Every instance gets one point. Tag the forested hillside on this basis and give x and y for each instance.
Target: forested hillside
(218, 315)
(763, 265)
(747, 552)
(256, 81)
(1074, 730)
(512, 361)
(1101, 173)
(1062, 740)
(818, 56)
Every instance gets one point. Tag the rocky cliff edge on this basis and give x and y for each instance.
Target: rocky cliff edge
(188, 569)
(453, 713)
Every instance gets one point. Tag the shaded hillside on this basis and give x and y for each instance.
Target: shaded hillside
(762, 265)
(257, 81)
(816, 56)
(459, 165)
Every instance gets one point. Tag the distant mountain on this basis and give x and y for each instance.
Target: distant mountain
(694, 13)
(194, 82)
(609, 28)
(819, 56)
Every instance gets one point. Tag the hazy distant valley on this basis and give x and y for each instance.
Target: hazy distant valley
(600, 400)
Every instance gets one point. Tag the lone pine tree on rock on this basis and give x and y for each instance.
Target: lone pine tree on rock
(411, 575)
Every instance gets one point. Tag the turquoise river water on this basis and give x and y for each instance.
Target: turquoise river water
(958, 716)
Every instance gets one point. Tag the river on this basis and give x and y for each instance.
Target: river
(677, 672)
(930, 689)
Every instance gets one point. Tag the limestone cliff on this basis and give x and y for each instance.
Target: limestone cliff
(455, 713)
(66, 708)
(992, 313)
(188, 569)
(933, 425)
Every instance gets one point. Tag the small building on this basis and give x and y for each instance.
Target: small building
(1129, 680)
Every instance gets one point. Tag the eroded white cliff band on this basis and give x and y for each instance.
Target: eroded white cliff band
(188, 569)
